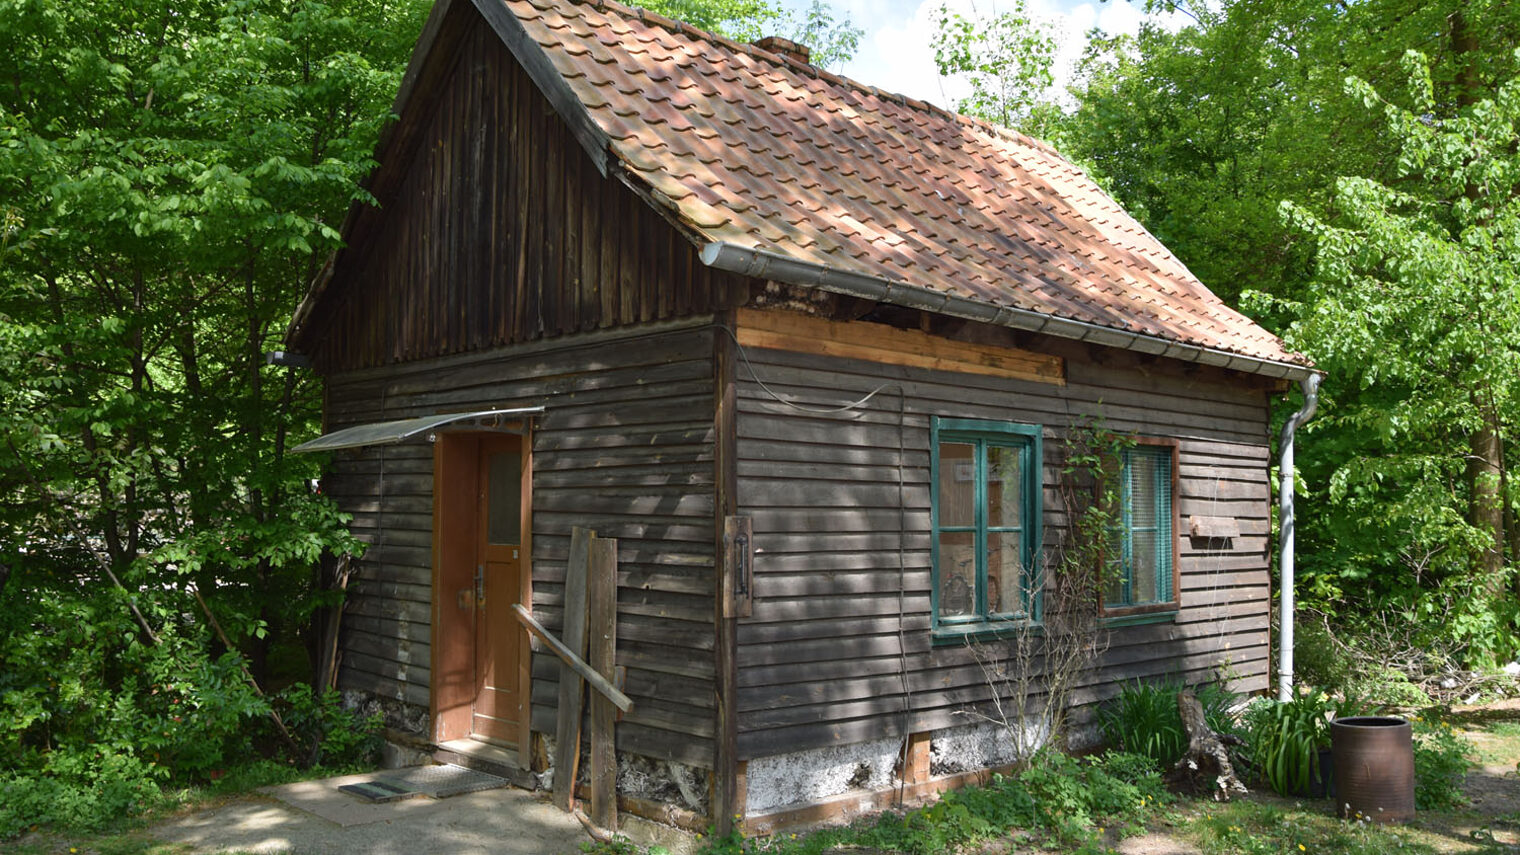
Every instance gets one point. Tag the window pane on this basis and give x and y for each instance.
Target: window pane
(957, 484)
(504, 499)
(1143, 472)
(1113, 581)
(957, 574)
(1005, 572)
(1144, 590)
(1004, 508)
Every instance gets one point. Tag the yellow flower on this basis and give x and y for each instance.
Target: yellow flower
(1301, 848)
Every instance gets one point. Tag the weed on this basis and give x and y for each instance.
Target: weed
(1441, 760)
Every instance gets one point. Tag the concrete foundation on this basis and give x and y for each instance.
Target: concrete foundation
(805, 777)
(982, 745)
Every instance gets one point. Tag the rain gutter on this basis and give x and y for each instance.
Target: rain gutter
(762, 264)
(1286, 522)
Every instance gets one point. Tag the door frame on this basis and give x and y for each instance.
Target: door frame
(455, 513)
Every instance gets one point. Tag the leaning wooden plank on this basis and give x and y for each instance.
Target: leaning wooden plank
(593, 679)
(567, 751)
(603, 643)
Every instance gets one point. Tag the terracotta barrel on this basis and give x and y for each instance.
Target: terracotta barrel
(1374, 767)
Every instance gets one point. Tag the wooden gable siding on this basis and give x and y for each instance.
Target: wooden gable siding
(842, 572)
(625, 447)
(496, 228)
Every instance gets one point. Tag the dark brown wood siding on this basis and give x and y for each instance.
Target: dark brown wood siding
(839, 649)
(496, 228)
(625, 447)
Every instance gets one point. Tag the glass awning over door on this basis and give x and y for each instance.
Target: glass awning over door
(389, 433)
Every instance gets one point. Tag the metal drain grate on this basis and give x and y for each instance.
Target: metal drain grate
(440, 782)
(380, 791)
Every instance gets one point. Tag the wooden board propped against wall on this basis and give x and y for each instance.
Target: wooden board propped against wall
(602, 587)
(590, 622)
(572, 688)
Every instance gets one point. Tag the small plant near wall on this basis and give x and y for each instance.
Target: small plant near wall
(1144, 718)
(1286, 740)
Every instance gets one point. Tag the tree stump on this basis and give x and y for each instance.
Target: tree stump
(1206, 753)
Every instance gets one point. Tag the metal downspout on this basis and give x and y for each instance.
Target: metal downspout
(1310, 387)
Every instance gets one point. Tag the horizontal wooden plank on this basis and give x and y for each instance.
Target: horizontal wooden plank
(882, 344)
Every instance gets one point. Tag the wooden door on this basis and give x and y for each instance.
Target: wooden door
(479, 650)
(499, 701)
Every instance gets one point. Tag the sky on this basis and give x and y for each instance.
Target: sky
(894, 53)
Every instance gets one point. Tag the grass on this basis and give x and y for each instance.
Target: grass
(1497, 742)
(1262, 827)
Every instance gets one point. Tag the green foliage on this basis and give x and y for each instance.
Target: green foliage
(1144, 719)
(1317, 661)
(1414, 305)
(1441, 760)
(337, 736)
(1057, 796)
(169, 175)
(1006, 57)
(1285, 740)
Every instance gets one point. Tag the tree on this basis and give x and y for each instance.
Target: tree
(1006, 57)
(1415, 303)
(170, 174)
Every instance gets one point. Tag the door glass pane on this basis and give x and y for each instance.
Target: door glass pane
(957, 574)
(1003, 479)
(957, 484)
(1004, 572)
(504, 498)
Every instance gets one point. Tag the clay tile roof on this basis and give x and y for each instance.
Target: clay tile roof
(762, 152)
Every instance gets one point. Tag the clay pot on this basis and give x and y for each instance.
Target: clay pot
(1374, 767)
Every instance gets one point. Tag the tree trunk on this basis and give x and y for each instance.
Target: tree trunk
(1487, 508)
(1206, 753)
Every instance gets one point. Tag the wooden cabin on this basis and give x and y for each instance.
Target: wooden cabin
(704, 287)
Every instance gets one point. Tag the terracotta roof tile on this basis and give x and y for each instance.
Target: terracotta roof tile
(756, 150)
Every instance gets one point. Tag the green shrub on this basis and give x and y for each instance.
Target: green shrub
(1285, 740)
(335, 735)
(1144, 718)
(1441, 761)
(1057, 795)
(1316, 657)
(95, 723)
(1389, 687)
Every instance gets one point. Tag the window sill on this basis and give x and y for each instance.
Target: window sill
(945, 636)
(1140, 619)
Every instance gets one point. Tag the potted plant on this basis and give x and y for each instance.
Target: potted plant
(1290, 744)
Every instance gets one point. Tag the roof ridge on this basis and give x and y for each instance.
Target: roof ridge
(682, 28)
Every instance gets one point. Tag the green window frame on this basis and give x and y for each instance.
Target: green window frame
(1143, 577)
(986, 530)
